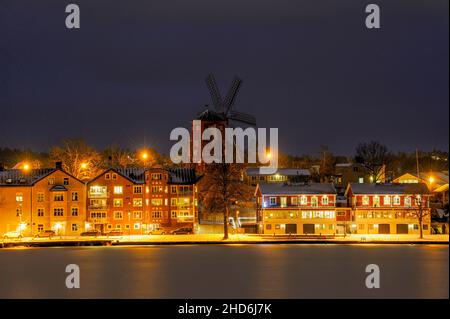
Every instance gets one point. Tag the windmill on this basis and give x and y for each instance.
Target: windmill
(223, 108)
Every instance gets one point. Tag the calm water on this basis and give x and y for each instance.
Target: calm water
(235, 271)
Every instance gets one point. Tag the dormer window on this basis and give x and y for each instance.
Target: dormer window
(408, 201)
(365, 200)
(325, 200)
(396, 200)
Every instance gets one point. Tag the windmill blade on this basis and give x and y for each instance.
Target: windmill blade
(214, 91)
(231, 96)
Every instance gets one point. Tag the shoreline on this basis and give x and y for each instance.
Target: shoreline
(217, 240)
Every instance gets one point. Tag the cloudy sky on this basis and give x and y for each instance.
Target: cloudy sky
(136, 69)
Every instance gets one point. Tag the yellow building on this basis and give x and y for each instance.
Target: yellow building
(34, 200)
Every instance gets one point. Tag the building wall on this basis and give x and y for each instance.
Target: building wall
(15, 207)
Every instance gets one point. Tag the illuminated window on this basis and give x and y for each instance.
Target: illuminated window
(137, 202)
(118, 190)
(303, 200)
(173, 189)
(114, 176)
(365, 200)
(418, 200)
(58, 197)
(137, 226)
(173, 214)
(314, 201)
(387, 200)
(156, 201)
(396, 200)
(283, 201)
(74, 196)
(173, 201)
(324, 200)
(408, 201)
(294, 200)
(273, 200)
(19, 197)
(137, 189)
(376, 201)
(156, 214)
(118, 215)
(118, 202)
(97, 191)
(107, 176)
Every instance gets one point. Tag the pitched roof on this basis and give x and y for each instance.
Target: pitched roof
(282, 171)
(15, 177)
(182, 176)
(135, 174)
(287, 189)
(388, 188)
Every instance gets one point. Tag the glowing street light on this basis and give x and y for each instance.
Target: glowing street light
(144, 155)
(26, 167)
(84, 165)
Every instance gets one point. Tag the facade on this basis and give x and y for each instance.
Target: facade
(136, 201)
(437, 183)
(35, 200)
(296, 208)
(388, 208)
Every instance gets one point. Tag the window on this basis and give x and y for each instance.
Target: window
(273, 200)
(418, 200)
(387, 200)
(118, 215)
(74, 211)
(283, 201)
(269, 226)
(74, 227)
(40, 212)
(173, 214)
(109, 226)
(365, 200)
(58, 197)
(277, 226)
(58, 212)
(118, 226)
(408, 201)
(66, 181)
(314, 201)
(40, 228)
(51, 181)
(156, 176)
(19, 197)
(324, 200)
(137, 226)
(425, 227)
(127, 226)
(173, 201)
(137, 215)
(118, 190)
(156, 201)
(361, 180)
(137, 189)
(74, 196)
(137, 202)
(294, 201)
(155, 189)
(114, 176)
(361, 227)
(376, 201)
(98, 215)
(303, 200)
(107, 176)
(40, 197)
(156, 214)
(396, 200)
(416, 226)
(97, 191)
(118, 202)
(173, 189)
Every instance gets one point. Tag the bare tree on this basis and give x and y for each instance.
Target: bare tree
(373, 156)
(78, 158)
(221, 187)
(115, 156)
(420, 205)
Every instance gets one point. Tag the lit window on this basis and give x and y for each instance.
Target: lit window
(173, 201)
(40, 197)
(387, 200)
(137, 226)
(173, 189)
(408, 201)
(19, 197)
(156, 214)
(74, 196)
(273, 200)
(303, 200)
(118, 190)
(137, 215)
(107, 176)
(173, 214)
(118, 202)
(365, 200)
(376, 201)
(137, 189)
(118, 215)
(156, 201)
(294, 200)
(283, 201)
(314, 201)
(114, 176)
(396, 200)
(137, 202)
(324, 200)
(58, 197)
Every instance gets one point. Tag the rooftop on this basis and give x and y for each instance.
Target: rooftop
(287, 189)
(388, 188)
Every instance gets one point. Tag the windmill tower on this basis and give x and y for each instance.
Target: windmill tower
(221, 114)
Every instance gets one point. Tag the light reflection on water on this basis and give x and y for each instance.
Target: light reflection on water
(226, 271)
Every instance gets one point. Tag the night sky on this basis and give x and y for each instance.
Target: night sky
(136, 69)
